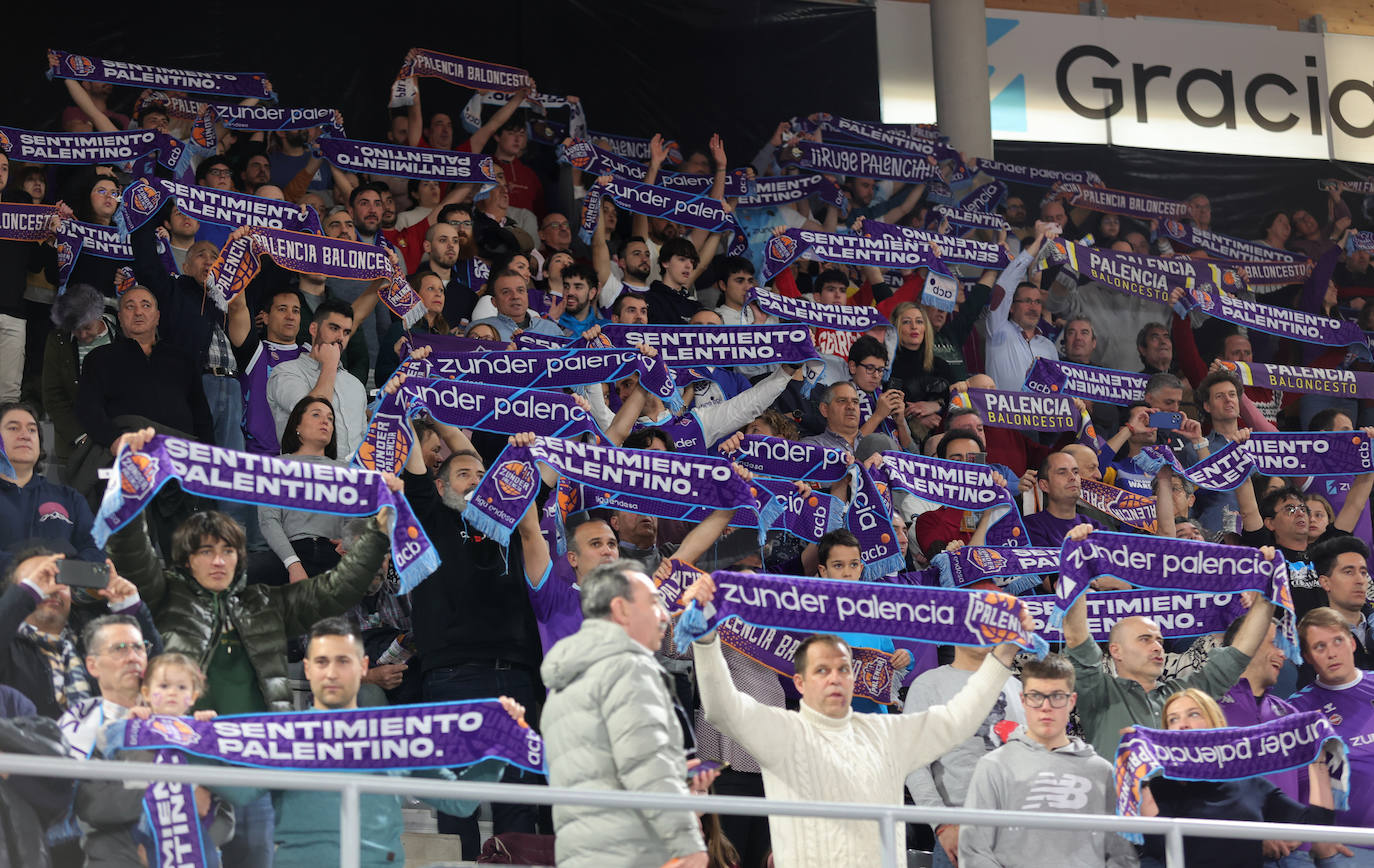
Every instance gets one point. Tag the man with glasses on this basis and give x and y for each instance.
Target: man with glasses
(839, 406)
(881, 410)
(555, 233)
(1042, 769)
(1014, 342)
(116, 655)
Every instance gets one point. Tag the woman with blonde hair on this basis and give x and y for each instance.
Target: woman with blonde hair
(1255, 798)
(916, 371)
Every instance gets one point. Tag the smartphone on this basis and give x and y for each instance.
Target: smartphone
(82, 574)
(1165, 419)
(706, 766)
(978, 458)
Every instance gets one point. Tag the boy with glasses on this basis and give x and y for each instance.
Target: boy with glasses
(1041, 768)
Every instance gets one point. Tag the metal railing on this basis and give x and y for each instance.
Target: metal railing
(351, 786)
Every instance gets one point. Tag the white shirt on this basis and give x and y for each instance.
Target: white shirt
(1009, 354)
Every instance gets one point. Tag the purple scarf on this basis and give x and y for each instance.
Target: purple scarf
(862, 163)
(170, 809)
(1136, 205)
(1365, 187)
(789, 459)
(1152, 278)
(75, 239)
(449, 344)
(240, 261)
(966, 219)
(1085, 381)
(960, 251)
(1023, 411)
(685, 209)
(495, 409)
(1310, 453)
(426, 164)
(261, 480)
(889, 137)
(869, 518)
(510, 486)
(1224, 246)
(1270, 274)
(774, 648)
(634, 148)
(266, 118)
(1013, 569)
(841, 317)
(1174, 565)
(83, 149)
(1179, 615)
(1284, 322)
(1123, 506)
(960, 485)
(937, 615)
(395, 738)
(1224, 470)
(1232, 753)
(62, 64)
(25, 222)
(146, 196)
(1337, 382)
(1035, 176)
(985, 198)
(1360, 241)
(884, 251)
(582, 154)
(722, 346)
(460, 71)
(783, 189)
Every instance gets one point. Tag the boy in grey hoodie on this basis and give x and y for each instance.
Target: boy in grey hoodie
(1041, 769)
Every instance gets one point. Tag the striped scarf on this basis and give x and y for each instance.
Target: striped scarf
(70, 683)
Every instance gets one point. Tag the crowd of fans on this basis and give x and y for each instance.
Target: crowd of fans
(208, 606)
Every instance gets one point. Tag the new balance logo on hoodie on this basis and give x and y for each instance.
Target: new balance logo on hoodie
(1059, 792)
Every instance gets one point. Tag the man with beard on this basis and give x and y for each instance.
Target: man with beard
(291, 156)
(615, 274)
(320, 373)
(410, 240)
(256, 172)
(366, 208)
(579, 308)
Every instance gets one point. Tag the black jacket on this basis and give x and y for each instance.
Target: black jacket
(164, 386)
(188, 314)
(668, 306)
(28, 805)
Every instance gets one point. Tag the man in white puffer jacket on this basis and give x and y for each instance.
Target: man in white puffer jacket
(825, 752)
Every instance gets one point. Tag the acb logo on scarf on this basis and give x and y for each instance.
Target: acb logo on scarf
(137, 474)
(80, 65)
(991, 616)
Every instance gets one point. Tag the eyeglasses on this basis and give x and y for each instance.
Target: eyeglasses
(556, 224)
(218, 173)
(872, 369)
(128, 649)
(461, 223)
(1297, 509)
(1036, 699)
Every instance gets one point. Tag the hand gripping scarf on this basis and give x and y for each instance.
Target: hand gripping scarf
(63, 64)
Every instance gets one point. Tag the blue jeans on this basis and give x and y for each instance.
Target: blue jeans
(938, 857)
(225, 398)
(1296, 859)
(254, 826)
(484, 681)
(1363, 858)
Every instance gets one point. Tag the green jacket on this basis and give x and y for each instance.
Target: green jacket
(191, 618)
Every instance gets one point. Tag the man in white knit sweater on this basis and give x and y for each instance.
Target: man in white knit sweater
(824, 752)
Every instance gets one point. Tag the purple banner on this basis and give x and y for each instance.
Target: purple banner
(784, 189)
(239, 262)
(170, 808)
(388, 738)
(1149, 277)
(425, 164)
(1016, 569)
(510, 486)
(985, 198)
(957, 484)
(1340, 383)
(449, 344)
(63, 64)
(889, 137)
(789, 459)
(675, 206)
(840, 317)
(1298, 325)
(583, 155)
(966, 219)
(145, 197)
(724, 346)
(1024, 411)
(1136, 205)
(1365, 187)
(774, 648)
(953, 249)
(261, 480)
(1224, 470)
(26, 222)
(82, 149)
(1225, 246)
(1179, 615)
(942, 616)
(884, 251)
(1035, 176)
(869, 517)
(1310, 453)
(862, 163)
(1264, 277)
(1049, 377)
(1175, 565)
(1233, 753)
(460, 71)
(1123, 506)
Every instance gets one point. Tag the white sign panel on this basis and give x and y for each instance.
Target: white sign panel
(1149, 83)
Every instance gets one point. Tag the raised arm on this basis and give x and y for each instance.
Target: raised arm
(83, 101)
(901, 209)
(498, 119)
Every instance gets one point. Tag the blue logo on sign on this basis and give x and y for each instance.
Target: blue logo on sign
(1008, 107)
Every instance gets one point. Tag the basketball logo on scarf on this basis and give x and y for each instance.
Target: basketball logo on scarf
(515, 480)
(124, 280)
(782, 247)
(80, 65)
(579, 154)
(988, 559)
(488, 169)
(175, 730)
(64, 254)
(992, 616)
(4, 142)
(137, 474)
(872, 672)
(145, 198)
(1173, 228)
(1205, 300)
(1130, 500)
